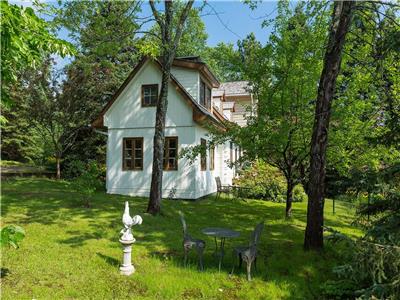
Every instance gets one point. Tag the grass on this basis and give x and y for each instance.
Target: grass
(73, 252)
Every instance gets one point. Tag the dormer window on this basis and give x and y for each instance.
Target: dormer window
(149, 95)
(205, 95)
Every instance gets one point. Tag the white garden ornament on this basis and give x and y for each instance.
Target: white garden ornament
(127, 240)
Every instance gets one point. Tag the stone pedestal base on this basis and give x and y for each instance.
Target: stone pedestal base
(127, 268)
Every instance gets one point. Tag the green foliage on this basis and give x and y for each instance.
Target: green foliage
(225, 62)
(88, 180)
(365, 114)
(372, 270)
(8, 163)
(372, 265)
(267, 182)
(22, 140)
(264, 182)
(104, 34)
(193, 41)
(11, 235)
(283, 76)
(25, 40)
(381, 215)
(299, 195)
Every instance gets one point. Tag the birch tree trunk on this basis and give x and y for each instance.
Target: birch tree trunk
(58, 167)
(341, 20)
(170, 40)
(154, 205)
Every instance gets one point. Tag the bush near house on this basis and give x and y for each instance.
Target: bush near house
(88, 180)
(267, 182)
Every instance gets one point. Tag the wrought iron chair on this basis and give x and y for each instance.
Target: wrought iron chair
(227, 189)
(189, 242)
(249, 253)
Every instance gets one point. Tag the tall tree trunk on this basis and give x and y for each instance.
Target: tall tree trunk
(169, 45)
(289, 197)
(341, 20)
(58, 167)
(154, 205)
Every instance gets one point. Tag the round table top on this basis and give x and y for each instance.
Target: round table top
(220, 232)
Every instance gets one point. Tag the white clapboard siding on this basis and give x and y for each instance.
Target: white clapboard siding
(189, 79)
(241, 111)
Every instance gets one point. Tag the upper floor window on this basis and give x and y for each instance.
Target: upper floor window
(149, 94)
(171, 153)
(202, 93)
(205, 95)
(132, 154)
(203, 155)
(208, 98)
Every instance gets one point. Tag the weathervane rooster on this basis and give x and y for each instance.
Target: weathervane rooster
(128, 222)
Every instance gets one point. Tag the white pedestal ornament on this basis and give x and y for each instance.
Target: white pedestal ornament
(127, 240)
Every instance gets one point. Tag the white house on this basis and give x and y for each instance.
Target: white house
(196, 100)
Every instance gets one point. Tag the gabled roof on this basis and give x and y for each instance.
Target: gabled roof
(199, 112)
(195, 62)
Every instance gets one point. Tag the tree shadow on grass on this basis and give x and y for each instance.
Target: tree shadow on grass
(4, 272)
(110, 260)
(281, 257)
(79, 238)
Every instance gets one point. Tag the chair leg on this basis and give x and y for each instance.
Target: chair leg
(249, 270)
(234, 261)
(200, 254)
(240, 260)
(255, 264)
(185, 258)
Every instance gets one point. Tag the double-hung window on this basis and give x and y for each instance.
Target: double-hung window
(205, 95)
(208, 98)
(202, 93)
(132, 154)
(212, 158)
(149, 94)
(171, 153)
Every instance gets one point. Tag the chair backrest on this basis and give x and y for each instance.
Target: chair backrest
(183, 223)
(219, 184)
(255, 236)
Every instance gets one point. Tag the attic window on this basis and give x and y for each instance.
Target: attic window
(149, 95)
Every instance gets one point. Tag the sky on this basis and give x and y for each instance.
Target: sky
(236, 20)
(225, 21)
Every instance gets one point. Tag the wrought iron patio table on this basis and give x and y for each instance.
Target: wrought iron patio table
(221, 233)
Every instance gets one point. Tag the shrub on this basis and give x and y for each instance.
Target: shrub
(11, 235)
(299, 195)
(88, 181)
(371, 270)
(264, 182)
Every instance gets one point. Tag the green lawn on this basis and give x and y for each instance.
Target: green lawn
(71, 252)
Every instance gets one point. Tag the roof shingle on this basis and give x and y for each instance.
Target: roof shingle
(234, 88)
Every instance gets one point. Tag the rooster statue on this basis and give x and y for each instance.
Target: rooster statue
(128, 223)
